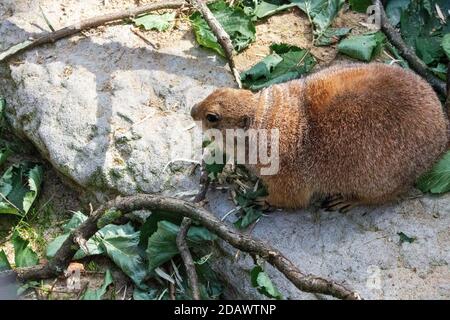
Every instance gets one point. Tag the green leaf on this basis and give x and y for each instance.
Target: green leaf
(5, 153)
(148, 294)
(108, 217)
(261, 281)
(98, 294)
(437, 180)
(332, 36)
(24, 256)
(250, 216)
(394, 9)
(160, 22)
(4, 263)
(34, 184)
(362, 47)
(284, 64)
(360, 5)
(120, 243)
(235, 22)
(151, 224)
(321, 13)
(441, 71)
(423, 30)
(446, 45)
(2, 107)
(162, 244)
(19, 187)
(405, 238)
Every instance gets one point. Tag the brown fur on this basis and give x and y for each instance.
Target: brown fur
(366, 132)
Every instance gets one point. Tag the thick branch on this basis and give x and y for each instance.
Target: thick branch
(407, 53)
(88, 24)
(304, 282)
(222, 37)
(187, 257)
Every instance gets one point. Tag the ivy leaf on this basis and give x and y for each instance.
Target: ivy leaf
(285, 63)
(4, 263)
(405, 238)
(437, 180)
(362, 47)
(160, 22)
(261, 281)
(235, 22)
(360, 5)
(99, 293)
(162, 244)
(24, 256)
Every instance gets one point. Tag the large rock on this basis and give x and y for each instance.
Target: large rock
(109, 112)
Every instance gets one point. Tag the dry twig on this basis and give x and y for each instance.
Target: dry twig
(407, 53)
(88, 24)
(222, 37)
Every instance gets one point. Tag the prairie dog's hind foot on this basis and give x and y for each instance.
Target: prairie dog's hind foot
(339, 203)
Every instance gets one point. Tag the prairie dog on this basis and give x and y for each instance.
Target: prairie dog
(365, 132)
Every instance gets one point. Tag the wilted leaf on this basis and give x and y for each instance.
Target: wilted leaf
(265, 8)
(235, 22)
(162, 244)
(261, 281)
(4, 263)
(284, 64)
(321, 13)
(120, 243)
(437, 180)
(98, 294)
(405, 238)
(24, 256)
(332, 36)
(362, 47)
(360, 5)
(14, 49)
(160, 22)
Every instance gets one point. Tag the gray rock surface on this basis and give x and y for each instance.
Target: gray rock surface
(109, 112)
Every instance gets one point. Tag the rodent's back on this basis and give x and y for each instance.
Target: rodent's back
(370, 127)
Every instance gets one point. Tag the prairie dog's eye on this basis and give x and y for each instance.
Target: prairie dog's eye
(211, 117)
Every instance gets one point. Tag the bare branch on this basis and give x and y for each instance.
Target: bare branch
(87, 24)
(187, 257)
(407, 53)
(304, 282)
(222, 37)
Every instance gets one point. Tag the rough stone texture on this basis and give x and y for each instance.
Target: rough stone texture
(109, 112)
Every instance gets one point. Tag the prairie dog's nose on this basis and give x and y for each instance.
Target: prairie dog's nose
(194, 110)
